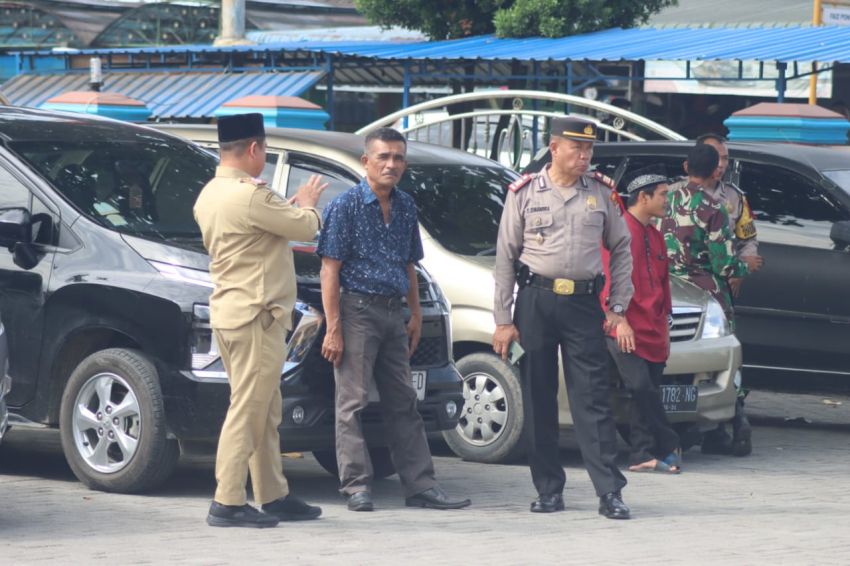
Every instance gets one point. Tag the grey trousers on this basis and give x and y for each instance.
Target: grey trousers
(375, 346)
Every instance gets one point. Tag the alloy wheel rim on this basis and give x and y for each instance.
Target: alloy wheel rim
(485, 410)
(106, 423)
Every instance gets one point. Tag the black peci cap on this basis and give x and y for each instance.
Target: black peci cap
(240, 126)
(573, 128)
(642, 181)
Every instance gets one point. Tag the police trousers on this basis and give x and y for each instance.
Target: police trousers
(650, 433)
(375, 347)
(253, 356)
(572, 323)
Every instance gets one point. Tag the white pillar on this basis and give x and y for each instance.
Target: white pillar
(232, 24)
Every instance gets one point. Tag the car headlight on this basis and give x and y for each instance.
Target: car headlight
(204, 347)
(307, 323)
(715, 325)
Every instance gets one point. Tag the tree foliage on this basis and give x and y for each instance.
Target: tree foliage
(450, 19)
(558, 18)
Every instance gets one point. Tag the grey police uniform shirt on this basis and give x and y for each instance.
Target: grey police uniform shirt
(731, 198)
(560, 236)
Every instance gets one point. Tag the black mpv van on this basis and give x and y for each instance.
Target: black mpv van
(104, 286)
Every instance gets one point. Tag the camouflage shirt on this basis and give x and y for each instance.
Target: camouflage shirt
(700, 244)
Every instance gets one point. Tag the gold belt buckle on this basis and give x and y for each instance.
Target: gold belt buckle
(564, 287)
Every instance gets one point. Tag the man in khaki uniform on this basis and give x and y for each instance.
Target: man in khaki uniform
(246, 229)
(550, 237)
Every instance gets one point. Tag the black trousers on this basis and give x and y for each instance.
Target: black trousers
(650, 435)
(547, 322)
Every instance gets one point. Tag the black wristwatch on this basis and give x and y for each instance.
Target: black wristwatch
(618, 309)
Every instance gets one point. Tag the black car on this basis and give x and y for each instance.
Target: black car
(104, 286)
(5, 379)
(793, 316)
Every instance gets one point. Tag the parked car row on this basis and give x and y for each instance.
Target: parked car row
(792, 316)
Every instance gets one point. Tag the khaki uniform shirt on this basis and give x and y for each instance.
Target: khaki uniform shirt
(246, 229)
(560, 236)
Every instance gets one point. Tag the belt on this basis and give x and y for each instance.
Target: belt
(391, 301)
(566, 286)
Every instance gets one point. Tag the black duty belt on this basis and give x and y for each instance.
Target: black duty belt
(567, 286)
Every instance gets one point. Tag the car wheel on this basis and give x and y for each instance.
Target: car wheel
(382, 463)
(112, 423)
(491, 426)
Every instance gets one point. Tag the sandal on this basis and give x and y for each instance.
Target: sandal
(660, 466)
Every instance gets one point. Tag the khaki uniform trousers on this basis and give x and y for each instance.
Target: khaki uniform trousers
(253, 356)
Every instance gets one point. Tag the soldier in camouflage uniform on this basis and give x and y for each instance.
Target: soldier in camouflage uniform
(701, 247)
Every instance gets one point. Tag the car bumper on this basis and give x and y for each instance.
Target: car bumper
(196, 409)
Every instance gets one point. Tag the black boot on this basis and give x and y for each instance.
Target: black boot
(742, 432)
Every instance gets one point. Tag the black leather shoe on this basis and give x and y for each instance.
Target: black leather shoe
(742, 444)
(611, 506)
(548, 503)
(435, 498)
(290, 508)
(717, 441)
(239, 516)
(361, 501)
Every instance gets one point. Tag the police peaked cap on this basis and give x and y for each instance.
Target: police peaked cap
(573, 128)
(240, 127)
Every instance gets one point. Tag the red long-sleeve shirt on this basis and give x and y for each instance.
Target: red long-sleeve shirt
(651, 304)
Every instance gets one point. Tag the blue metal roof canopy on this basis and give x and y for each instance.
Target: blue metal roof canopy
(489, 59)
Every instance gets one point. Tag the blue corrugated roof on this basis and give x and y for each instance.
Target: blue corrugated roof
(793, 43)
(167, 94)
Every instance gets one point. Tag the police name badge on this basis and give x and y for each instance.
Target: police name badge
(591, 202)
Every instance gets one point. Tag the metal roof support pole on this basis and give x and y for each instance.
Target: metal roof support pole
(536, 71)
(405, 95)
(781, 81)
(569, 84)
(329, 93)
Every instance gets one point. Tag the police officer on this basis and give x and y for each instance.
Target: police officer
(246, 230)
(549, 244)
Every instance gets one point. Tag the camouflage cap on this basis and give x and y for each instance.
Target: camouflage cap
(642, 181)
(573, 128)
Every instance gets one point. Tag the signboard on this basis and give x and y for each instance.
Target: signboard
(718, 77)
(836, 15)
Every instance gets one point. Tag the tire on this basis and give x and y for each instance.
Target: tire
(382, 463)
(112, 423)
(491, 426)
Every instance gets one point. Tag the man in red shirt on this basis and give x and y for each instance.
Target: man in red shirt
(640, 347)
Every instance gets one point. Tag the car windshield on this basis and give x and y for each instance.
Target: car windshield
(841, 177)
(459, 205)
(145, 186)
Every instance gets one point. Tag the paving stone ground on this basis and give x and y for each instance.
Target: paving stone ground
(788, 503)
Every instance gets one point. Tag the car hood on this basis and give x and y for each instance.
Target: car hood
(686, 294)
(187, 253)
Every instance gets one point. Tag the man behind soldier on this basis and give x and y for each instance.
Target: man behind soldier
(549, 244)
(246, 229)
(742, 225)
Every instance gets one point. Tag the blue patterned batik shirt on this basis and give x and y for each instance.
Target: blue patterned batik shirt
(374, 255)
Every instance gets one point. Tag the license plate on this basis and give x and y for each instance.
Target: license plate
(679, 398)
(418, 379)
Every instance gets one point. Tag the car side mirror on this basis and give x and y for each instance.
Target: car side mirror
(840, 234)
(15, 227)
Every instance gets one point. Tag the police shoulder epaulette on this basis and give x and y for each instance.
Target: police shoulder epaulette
(256, 181)
(605, 180)
(520, 183)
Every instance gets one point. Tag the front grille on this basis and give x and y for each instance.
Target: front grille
(684, 324)
(430, 352)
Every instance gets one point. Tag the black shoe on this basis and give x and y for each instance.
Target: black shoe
(361, 501)
(239, 516)
(548, 503)
(290, 508)
(717, 441)
(435, 498)
(742, 444)
(611, 506)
